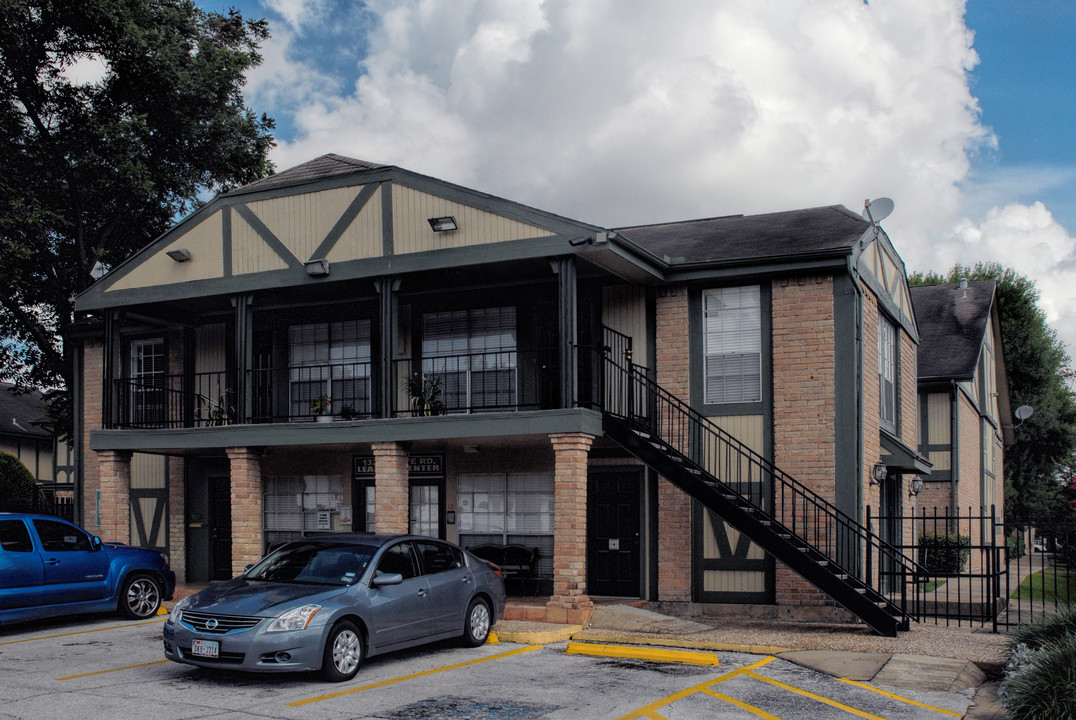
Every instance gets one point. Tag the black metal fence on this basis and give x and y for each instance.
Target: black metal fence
(45, 504)
(977, 570)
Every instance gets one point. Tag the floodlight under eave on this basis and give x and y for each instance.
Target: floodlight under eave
(317, 268)
(443, 224)
(179, 254)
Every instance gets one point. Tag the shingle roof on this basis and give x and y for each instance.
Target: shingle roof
(18, 413)
(952, 327)
(319, 168)
(738, 238)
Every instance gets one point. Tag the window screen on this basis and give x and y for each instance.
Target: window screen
(732, 330)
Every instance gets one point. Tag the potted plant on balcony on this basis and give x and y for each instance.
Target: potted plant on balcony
(425, 395)
(319, 406)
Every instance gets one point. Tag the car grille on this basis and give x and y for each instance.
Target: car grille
(225, 658)
(221, 623)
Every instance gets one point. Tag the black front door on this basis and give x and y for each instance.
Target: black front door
(613, 524)
(220, 527)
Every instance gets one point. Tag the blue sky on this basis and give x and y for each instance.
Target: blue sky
(619, 112)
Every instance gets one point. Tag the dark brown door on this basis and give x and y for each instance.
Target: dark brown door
(220, 528)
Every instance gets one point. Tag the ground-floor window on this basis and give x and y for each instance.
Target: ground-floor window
(508, 508)
(297, 506)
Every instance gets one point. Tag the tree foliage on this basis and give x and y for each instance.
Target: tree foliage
(1039, 373)
(116, 116)
(17, 485)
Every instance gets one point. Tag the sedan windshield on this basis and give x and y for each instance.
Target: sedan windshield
(315, 563)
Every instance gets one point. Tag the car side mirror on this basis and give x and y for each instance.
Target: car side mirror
(386, 579)
(95, 543)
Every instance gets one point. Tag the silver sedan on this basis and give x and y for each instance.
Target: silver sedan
(327, 602)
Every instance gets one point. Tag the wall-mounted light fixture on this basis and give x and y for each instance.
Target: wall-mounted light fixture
(317, 268)
(916, 487)
(879, 473)
(443, 224)
(179, 254)
(470, 449)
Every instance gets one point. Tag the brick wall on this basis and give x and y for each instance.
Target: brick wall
(247, 502)
(177, 526)
(393, 496)
(570, 528)
(674, 506)
(93, 374)
(115, 486)
(804, 401)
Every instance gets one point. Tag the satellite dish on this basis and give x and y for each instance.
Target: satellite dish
(874, 211)
(99, 270)
(1024, 412)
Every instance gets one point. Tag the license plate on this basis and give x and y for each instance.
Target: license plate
(205, 648)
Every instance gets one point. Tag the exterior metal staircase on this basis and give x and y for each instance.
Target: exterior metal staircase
(806, 532)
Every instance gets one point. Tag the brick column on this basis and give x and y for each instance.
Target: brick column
(391, 488)
(245, 468)
(115, 487)
(674, 505)
(569, 602)
(177, 518)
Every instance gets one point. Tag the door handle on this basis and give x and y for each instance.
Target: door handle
(423, 592)
(467, 579)
(52, 561)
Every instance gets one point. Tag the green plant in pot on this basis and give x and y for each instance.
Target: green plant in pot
(319, 406)
(425, 395)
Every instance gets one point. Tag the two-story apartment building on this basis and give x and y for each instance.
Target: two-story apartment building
(691, 412)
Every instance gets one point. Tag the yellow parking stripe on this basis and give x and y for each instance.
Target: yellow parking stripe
(102, 672)
(819, 698)
(650, 711)
(633, 652)
(743, 706)
(424, 673)
(81, 632)
(899, 697)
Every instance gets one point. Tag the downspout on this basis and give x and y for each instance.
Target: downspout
(954, 445)
(853, 275)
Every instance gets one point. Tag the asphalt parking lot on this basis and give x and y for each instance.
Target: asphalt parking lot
(102, 667)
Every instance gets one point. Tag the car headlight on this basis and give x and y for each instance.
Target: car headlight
(296, 619)
(177, 610)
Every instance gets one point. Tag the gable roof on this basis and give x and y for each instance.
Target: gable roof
(320, 168)
(952, 327)
(21, 414)
(736, 239)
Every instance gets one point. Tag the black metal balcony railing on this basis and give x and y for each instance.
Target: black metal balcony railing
(470, 383)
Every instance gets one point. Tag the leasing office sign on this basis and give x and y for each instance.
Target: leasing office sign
(431, 465)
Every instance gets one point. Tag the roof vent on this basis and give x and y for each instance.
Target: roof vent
(963, 287)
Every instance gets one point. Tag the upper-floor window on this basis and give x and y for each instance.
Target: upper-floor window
(473, 354)
(732, 345)
(330, 360)
(147, 372)
(887, 373)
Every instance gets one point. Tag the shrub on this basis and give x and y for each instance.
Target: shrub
(1041, 684)
(18, 489)
(1050, 629)
(943, 553)
(1016, 546)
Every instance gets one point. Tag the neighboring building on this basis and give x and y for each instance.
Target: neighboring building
(26, 433)
(964, 409)
(587, 377)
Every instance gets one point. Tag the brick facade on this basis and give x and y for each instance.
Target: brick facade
(177, 517)
(674, 506)
(115, 488)
(247, 503)
(570, 602)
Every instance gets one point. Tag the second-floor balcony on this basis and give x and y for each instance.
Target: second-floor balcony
(504, 381)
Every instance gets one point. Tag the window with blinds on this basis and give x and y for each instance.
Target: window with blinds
(504, 508)
(148, 370)
(298, 506)
(887, 373)
(732, 345)
(473, 353)
(330, 359)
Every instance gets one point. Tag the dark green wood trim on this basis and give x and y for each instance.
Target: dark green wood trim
(267, 235)
(304, 187)
(848, 386)
(568, 324)
(388, 236)
(751, 271)
(345, 220)
(226, 241)
(348, 434)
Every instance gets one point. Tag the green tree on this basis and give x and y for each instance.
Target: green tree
(1039, 372)
(17, 485)
(116, 116)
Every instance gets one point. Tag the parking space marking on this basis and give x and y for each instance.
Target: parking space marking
(424, 673)
(742, 705)
(650, 711)
(819, 698)
(634, 652)
(81, 632)
(899, 697)
(111, 670)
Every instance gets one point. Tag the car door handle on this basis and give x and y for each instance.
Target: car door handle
(467, 579)
(423, 592)
(52, 561)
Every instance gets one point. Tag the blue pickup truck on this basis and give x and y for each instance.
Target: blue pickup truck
(50, 567)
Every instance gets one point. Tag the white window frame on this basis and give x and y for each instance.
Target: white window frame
(887, 373)
(326, 355)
